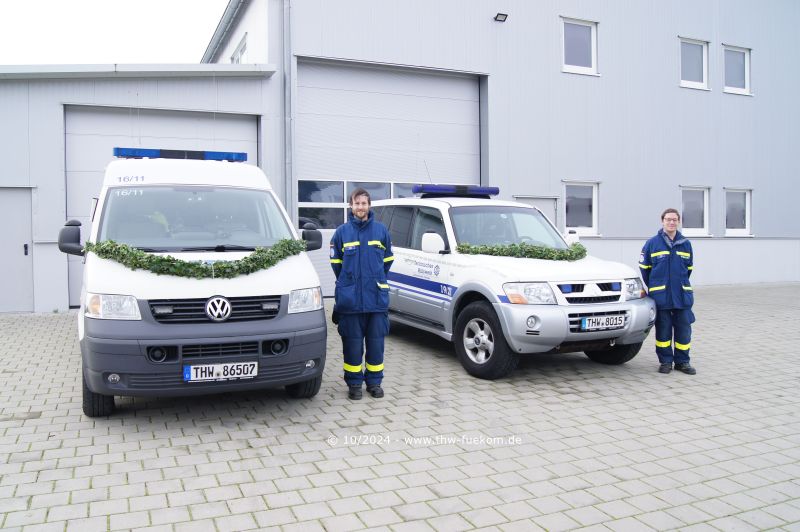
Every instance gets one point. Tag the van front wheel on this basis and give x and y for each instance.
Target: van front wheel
(619, 354)
(480, 344)
(304, 390)
(95, 404)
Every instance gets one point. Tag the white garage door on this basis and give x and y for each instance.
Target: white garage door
(93, 132)
(369, 125)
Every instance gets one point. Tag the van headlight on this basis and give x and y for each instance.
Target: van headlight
(305, 300)
(529, 293)
(633, 288)
(111, 307)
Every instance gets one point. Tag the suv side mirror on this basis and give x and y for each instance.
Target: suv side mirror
(572, 237)
(312, 236)
(69, 238)
(432, 243)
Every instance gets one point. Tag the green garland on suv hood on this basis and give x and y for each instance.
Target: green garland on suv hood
(136, 259)
(526, 251)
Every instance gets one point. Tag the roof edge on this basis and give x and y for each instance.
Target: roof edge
(135, 71)
(224, 25)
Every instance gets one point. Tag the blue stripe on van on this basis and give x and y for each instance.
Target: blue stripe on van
(428, 288)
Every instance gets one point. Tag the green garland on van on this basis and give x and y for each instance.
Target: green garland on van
(527, 251)
(136, 259)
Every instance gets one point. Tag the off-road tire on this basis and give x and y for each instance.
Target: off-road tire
(501, 360)
(304, 390)
(619, 354)
(95, 404)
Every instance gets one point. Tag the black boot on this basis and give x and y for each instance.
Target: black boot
(375, 391)
(354, 393)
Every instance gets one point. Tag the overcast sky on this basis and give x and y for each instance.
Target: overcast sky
(43, 32)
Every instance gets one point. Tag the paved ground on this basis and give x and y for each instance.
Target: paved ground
(562, 444)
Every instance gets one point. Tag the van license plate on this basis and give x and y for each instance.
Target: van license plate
(220, 372)
(602, 322)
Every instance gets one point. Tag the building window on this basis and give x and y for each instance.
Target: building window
(239, 55)
(694, 211)
(321, 203)
(580, 46)
(580, 207)
(737, 70)
(737, 212)
(694, 64)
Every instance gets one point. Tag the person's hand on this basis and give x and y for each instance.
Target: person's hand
(335, 317)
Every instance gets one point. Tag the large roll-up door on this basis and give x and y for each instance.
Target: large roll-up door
(365, 124)
(93, 132)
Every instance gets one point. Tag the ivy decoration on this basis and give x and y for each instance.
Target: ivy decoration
(136, 259)
(526, 251)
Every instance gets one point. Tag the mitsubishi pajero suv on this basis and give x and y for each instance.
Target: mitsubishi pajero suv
(497, 308)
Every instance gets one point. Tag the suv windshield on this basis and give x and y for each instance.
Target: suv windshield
(165, 218)
(490, 225)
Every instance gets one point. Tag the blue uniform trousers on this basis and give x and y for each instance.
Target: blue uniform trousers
(358, 330)
(673, 328)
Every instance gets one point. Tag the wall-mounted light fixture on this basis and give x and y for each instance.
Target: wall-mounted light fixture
(501, 17)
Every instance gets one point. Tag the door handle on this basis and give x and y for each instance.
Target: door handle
(25, 248)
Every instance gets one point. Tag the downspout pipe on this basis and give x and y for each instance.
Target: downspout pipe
(288, 125)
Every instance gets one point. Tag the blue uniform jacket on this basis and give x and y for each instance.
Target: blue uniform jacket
(361, 255)
(666, 266)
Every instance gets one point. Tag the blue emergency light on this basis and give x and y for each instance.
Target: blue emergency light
(468, 191)
(150, 153)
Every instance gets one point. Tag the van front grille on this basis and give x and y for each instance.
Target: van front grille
(220, 350)
(194, 310)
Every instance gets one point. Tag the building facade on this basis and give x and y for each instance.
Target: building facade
(601, 113)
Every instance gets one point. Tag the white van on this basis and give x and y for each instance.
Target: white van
(148, 334)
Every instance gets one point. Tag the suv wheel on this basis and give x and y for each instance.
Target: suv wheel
(480, 344)
(305, 389)
(619, 354)
(95, 404)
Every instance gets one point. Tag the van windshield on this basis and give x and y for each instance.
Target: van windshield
(192, 218)
(491, 225)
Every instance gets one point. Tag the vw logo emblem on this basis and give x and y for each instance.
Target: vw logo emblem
(218, 308)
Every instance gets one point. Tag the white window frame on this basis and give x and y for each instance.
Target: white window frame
(574, 69)
(239, 56)
(695, 231)
(737, 90)
(582, 231)
(748, 198)
(693, 84)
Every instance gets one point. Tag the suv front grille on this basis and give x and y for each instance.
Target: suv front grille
(588, 292)
(194, 310)
(595, 299)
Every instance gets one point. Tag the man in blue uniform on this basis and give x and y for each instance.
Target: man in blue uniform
(666, 264)
(361, 255)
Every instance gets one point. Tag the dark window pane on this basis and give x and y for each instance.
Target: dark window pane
(734, 69)
(735, 210)
(383, 214)
(403, 190)
(427, 220)
(692, 62)
(377, 191)
(323, 217)
(578, 45)
(400, 225)
(579, 206)
(693, 215)
(320, 191)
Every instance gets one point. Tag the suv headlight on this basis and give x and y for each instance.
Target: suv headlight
(111, 307)
(633, 288)
(529, 293)
(305, 300)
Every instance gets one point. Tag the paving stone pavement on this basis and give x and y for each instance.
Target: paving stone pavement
(562, 444)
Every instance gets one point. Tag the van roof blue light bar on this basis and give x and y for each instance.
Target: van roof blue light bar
(445, 191)
(150, 153)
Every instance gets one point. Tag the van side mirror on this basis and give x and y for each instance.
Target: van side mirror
(312, 237)
(69, 238)
(432, 243)
(572, 237)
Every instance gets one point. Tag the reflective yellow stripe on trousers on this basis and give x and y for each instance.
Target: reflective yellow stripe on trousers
(682, 347)
(376, 369)
(664, 344)
(352, 369)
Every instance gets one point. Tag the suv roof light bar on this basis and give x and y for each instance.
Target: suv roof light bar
(150, 153)
(450, 191)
